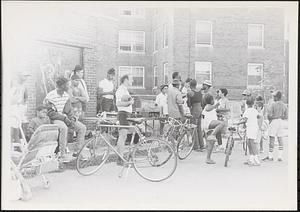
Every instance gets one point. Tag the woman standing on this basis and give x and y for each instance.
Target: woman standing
(194, 103)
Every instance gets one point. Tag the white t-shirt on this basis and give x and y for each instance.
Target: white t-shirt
(162, 101)
(208, 117)
(107, 86)
(122, 90)
(252, 122)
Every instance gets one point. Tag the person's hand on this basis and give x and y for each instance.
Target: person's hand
(67, 121)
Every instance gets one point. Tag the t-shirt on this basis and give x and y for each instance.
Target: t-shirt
(175, 102)
(208, 117)
(252, 122)
(162, 101)
(277, 110)
(122, 90)
(107, 86)
(57, 100)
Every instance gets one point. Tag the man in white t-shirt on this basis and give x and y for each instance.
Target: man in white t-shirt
(106, 91)
(124, 104)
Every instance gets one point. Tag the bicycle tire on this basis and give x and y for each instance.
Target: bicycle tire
(165, 158)
(228, 150)
(185, 141)
(98, 151)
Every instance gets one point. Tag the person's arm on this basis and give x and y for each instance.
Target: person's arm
(82, 97)
(31, 127)
(179, 99)
(210, 107)
(119, 103)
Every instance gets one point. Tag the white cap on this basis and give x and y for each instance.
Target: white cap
(207, 82)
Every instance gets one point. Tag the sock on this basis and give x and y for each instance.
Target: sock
(270, 154)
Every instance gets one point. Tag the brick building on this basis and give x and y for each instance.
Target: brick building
(234, 48)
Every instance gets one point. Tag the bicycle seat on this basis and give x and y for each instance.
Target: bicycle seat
(136, 120)
(233, 129)
(189, 116)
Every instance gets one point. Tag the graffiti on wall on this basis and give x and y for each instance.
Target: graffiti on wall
(54, 61)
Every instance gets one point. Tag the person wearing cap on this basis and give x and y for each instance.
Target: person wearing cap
(162, 102)
(60, 113)
(77, 94)
(194, 102)
(246, 95)
(276, 113)
(175, 101)
(78, 70)
(18, 104)
(206, 89)
(184, 90)
(176, 75)
(106, 91)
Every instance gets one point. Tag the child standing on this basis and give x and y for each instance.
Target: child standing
(263, 126)
(41, 119)
(251, 116)
(276, 113)
(162, 102)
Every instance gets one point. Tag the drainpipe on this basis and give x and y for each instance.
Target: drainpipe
(189, 69)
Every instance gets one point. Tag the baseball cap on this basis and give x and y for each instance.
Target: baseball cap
(163, 86)
(277, 94)
(78, 67)
(207, 82)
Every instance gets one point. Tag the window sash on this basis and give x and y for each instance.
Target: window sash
(203, 72)
(135, 73)
(132, 41)
(255, 35)
(203, 33)
(155, 78)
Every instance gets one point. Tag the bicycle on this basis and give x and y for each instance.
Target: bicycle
(230, 141)
(153, 159)
(180, 136)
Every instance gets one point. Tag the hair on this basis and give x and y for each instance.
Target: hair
(259, 98)
(41, 107)
(193, 83)
(209, 99)
(224, 91)
(75, 77)
(250, 101)
(111, 71)
(260, 104)
(61, 81)
(123, 78)
(188, 80)
(163, 86)
(278, 95)
(175, 74)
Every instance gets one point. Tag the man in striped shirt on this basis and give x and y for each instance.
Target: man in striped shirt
(60, 113)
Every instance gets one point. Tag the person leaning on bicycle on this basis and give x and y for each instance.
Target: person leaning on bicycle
(124, 104)
(175, 101)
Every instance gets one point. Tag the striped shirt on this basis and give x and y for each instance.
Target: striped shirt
(57, 100)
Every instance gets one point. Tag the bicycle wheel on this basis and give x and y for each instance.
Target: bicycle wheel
(154, 160)
(228, 150)
(92, 156)
(185, 145)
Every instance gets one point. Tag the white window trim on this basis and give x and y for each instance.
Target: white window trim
(263, 37)
(154, 39)
(165, 34)
(132, 52)
(131, 16)
(211, 41)
(131, 67)
(164, 70)
(262, 75)
(210, 70)
(154, 75)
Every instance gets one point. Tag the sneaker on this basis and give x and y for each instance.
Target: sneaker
(210, 161)
(267, 159)
(66, 158)
(279, 159)
(212, 138)
(254, 164)
(202, 149)
(248, 162)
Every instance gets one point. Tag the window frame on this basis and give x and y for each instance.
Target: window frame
(211, 37)
(165, 35)
(263, 37)
(155, 75)
(155, 35)
(210, 70)
(262, 75)
(131, 68)
(131, 42)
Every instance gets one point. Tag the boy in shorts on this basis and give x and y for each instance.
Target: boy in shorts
(277, 112)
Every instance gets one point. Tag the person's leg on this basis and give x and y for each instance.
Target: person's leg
(271, 148)
(280, 148)
(200, 134)
(63, 133)
(211, 141)
(196, 137)
(254, 147)
(218, 127)
(80, 130)
(122, 117)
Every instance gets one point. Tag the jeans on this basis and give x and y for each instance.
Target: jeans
(80, 130)
(107, 104)
(196, 111)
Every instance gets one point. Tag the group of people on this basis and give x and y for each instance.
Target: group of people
(66, 104)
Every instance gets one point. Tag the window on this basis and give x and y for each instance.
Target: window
(255, 75)
(155, 79)
(132, 41)
(135, 73)
(166, 73)
(165, 35)
(255, 35)
(155, 38)
(134, 12)
(204, 33)
(202, 72)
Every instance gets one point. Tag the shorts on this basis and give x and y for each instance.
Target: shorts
(122, 117)
(252, 132)
(276, 128)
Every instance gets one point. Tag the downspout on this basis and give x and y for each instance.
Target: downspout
(189, 69)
